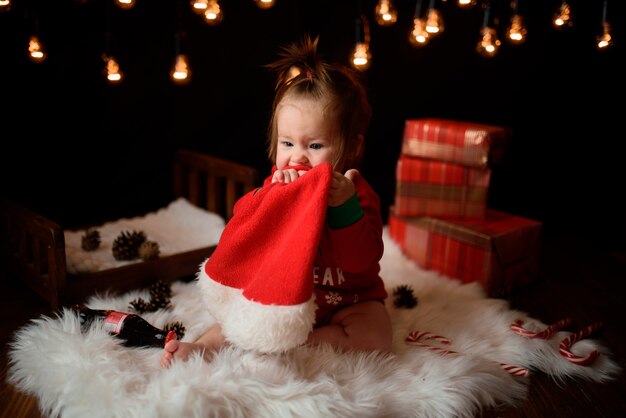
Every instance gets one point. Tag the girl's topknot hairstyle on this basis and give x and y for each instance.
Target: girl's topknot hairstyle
(302, 73)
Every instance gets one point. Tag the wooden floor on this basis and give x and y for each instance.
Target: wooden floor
(576, 281)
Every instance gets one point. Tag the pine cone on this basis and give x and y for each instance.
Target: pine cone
(126, 245)
(177, 327)
(91, 240)
(149, 250)
(160, 302)
(140, 305)
(403, 297)
(160, 289)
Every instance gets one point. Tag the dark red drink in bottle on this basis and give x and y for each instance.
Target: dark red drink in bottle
(134, 330)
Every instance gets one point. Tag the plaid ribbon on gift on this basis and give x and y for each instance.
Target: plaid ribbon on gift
(453, 141)
(434, 188)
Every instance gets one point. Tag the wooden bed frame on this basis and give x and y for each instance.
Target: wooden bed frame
(34, 246)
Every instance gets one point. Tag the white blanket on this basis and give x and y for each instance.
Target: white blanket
(93, 375)
(179, 227)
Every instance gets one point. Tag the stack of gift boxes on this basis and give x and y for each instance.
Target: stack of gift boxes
(440, 217)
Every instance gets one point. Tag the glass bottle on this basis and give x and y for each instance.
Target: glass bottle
(132, 328)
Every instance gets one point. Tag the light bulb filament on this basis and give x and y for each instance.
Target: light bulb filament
(516, 32)
(605, 40)
(489, 43)
(35, 49)
(434, 22)
(213, 14)
(418, 35)
(361, 56)
(181, 73)
(564, 16)
(385, 13)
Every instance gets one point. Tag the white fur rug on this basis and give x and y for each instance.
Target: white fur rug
(93, 375)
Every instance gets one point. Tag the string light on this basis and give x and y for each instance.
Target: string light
(199, 6)
(112, 69)
(604, 40)
(264, 4)
(489, 43)
(422, 30)
(516, 33)
(434, 20)
(5, 5)
(385, 13)
(563, 17)
(125, 4)
(213, 14)
(466, 4)
(418, 35)
(181, 72)
(36, 51)
(361, 56)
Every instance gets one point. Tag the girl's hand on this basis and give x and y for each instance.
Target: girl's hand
(342, 188)
(287, 176)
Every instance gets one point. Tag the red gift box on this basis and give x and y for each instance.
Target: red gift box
(458, 142)
(500, 252)
(434, 188)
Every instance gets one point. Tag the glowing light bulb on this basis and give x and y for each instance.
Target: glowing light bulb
(213, 14)
(563, 17)
(361, 56)
(418, 35)
(112, 70)
(36, 52)
(125, 4)
(604, 40)
(466, 4)
(385, 13)
(489, 43)
(199, 6)
(180, 74)
(516, 33)
(264, 4)
(5, 5)
(434, 22)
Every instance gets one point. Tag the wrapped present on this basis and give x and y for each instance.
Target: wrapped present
(458, 142)
(434, 188)
(500, 252)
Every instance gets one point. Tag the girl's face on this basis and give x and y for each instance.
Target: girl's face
(304, 137)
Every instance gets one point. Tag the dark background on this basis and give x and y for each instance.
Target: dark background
(82, 151)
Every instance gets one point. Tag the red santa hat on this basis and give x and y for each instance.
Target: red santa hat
(258, 284)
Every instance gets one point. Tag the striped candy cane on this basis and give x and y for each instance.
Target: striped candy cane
(423, 335)
(545, 334)
(414, 338)
(564, 347)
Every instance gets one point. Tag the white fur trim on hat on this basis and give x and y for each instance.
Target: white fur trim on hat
(255, 326)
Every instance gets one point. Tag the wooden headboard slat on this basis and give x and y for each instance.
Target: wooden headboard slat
(224, 181)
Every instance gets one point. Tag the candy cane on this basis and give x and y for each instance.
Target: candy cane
(414, 339)
(423, 335)
(545, 334)
(515, 370)
(564, 347)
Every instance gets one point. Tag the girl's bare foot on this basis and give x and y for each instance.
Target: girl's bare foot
(178, 350)
(209, 342)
